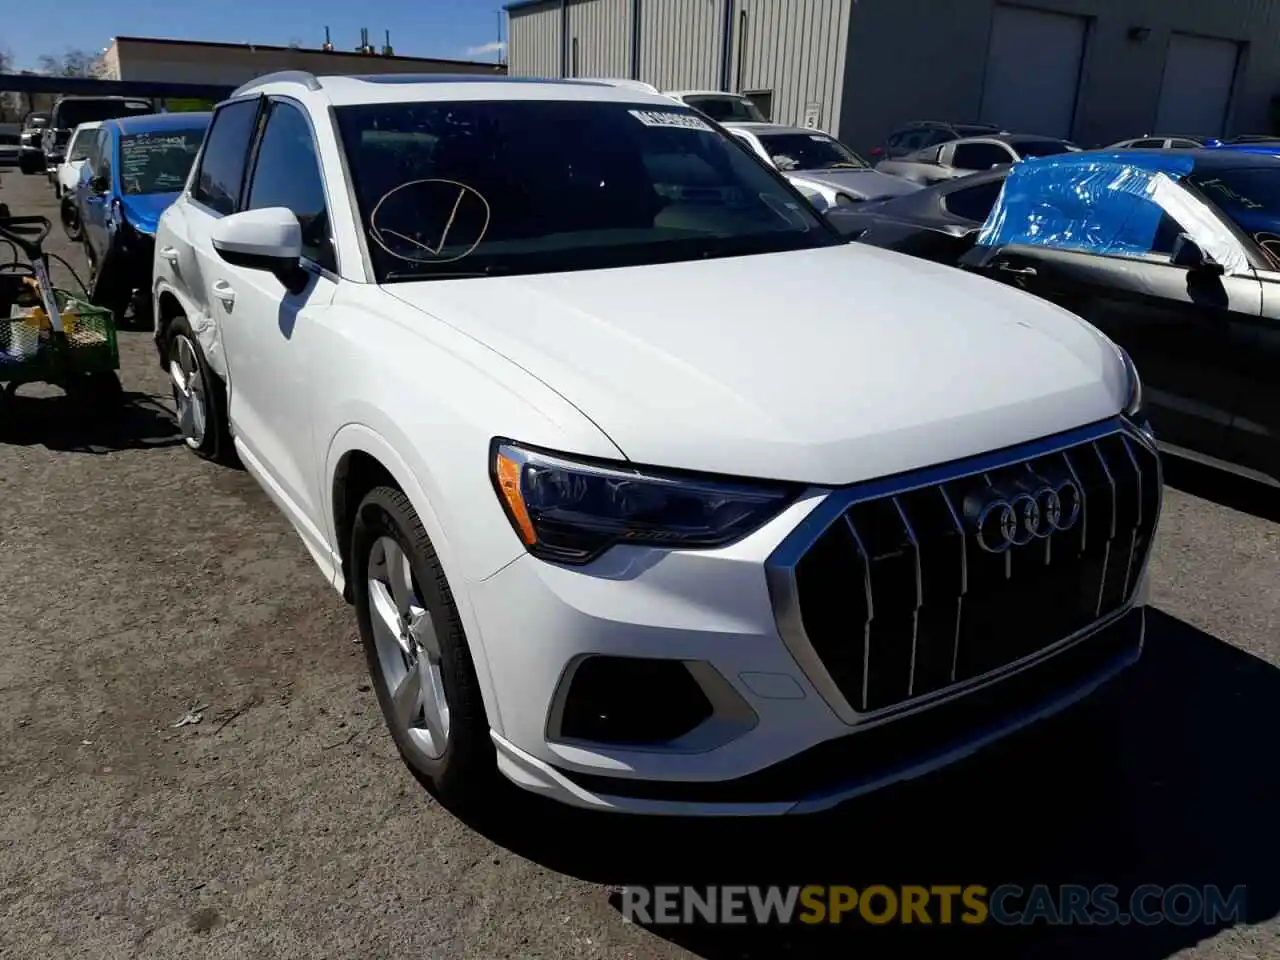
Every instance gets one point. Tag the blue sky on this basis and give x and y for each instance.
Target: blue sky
(431, 28)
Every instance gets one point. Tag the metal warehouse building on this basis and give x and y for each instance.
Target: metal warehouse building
(1094, 70)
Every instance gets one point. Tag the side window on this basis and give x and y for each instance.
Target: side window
(103, 167)
(1184, 145)
(226, 148)
(1146, 145)
(287, 174)
(81, 145)
(973, 203)
(979, 156)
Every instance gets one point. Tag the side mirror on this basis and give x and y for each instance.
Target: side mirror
(1189, 254)
(269, 239)
(98, 185)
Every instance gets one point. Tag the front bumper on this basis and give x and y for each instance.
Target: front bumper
(781, 731)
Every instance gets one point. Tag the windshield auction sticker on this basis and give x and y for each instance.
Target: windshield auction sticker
(681, 121)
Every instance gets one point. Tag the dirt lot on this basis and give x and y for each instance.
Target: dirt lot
(137, 582)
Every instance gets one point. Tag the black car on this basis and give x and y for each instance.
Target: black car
(30, 155)
(937, 223)
(1175, 255)
(919, 134)
(69, 112)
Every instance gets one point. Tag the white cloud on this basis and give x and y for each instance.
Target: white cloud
(485, 48)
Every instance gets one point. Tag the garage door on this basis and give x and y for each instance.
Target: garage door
(1033, 71)
(1196, 92)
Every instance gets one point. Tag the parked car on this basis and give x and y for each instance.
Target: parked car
(30, 153)
(817, 162)
(960, 158)
(938, 223)
(1156, 142)
(578, 441)
(68, 177)
(10, 139)
(920, 134)
(1177, 258)
(69, 112)
(133, 170)
(719, 105)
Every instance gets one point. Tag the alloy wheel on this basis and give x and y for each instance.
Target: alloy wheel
(188, 392)
(408, 650)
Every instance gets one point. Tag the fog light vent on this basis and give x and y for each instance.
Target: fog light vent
(631, 700)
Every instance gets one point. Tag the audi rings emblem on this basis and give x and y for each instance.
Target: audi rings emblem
(1016, 520)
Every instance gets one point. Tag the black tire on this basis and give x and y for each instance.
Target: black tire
(464, 776)
(214, 442)
(71, 221)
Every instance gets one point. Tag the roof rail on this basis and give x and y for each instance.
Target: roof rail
(308, 80)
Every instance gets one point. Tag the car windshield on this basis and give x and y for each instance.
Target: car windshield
(1248, 195)
(157, 161)
(1040, 148)
(480, 188)
(726, 109)
(72, 113)
(809, 151)
(81, 142)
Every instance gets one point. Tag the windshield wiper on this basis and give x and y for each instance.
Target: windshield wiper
(441, 275)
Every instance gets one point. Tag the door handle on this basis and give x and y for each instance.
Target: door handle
(223, 291)
(170, 254)
(1016, 271)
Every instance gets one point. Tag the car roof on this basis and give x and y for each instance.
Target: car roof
(1205, 158)
(350, 90)
(150, 122)
(703, 93)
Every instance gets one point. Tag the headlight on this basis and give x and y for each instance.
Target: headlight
(1134, 408)
(570, 512)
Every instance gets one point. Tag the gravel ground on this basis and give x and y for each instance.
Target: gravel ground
(138, 582)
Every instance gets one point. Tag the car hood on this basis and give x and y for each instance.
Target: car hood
(867, 184)
(824, 366)
(143, 210)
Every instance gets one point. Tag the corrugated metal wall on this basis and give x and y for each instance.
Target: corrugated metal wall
(533, 41)
(921, 59)
(680, 42)
(796, 50)
(601, 32)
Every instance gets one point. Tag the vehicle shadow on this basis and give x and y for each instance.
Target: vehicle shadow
(1166, 777)
(1222, 487)
(62, 423)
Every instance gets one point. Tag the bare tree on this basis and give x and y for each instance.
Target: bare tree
(73, 63)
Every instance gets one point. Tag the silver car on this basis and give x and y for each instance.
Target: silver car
(818, 163)
(959, 158)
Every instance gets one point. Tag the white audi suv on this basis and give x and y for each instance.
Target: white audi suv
(648, 490)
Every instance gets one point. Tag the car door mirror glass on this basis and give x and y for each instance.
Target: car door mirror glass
(98, 185)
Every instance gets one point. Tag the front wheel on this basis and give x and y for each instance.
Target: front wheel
(417, 652)
(71, 221)
(199, 397)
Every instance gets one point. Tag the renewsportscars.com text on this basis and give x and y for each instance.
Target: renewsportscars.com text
(973, 904)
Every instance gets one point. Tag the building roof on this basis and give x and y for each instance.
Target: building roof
(166, 41)
(515, 6)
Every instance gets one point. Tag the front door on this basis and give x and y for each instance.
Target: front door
(273, 381)
(1255, 431)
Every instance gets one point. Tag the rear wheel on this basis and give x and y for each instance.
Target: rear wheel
(199, 396)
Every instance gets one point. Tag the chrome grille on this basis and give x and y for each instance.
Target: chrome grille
(888, 594)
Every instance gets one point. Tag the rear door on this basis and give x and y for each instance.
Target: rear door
(1181, 327)
(216, 187)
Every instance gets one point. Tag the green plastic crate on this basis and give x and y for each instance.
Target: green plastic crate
(28, 354)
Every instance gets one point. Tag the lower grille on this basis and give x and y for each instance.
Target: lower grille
(901, 589)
